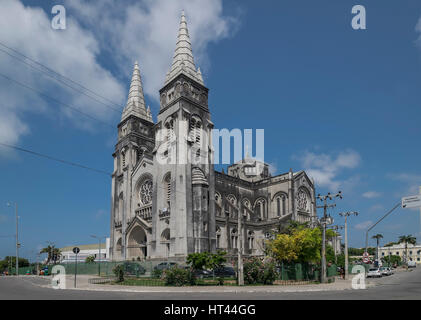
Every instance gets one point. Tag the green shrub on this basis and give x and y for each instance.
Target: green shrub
(258, 271)
(220, 281)
(119, 272)
(157, 273)
(178, 277)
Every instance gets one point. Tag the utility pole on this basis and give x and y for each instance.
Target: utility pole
(324, 222)
(9, 204)
(335, 243)
(420, 215)
(240, 248)
(99, 252)
(346, 215)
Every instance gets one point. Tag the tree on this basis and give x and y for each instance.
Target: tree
(393, 260)
(90, 259)
(198, 260)
(53, 253)
(301, 245)
(407, 239)
(377, 237)
(212, 261)
(283, 248)
(10, 261)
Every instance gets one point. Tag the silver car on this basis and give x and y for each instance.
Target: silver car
(374, 273)
(386, 271)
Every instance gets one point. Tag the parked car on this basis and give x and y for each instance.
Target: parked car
(374, 273)
(203, 273)
(133, 269)
(412, 264)
(225, 272)
(165, 265)
(386, 271)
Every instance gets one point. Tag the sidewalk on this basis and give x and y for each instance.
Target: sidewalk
(83, 284)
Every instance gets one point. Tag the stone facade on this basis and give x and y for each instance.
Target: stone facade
(165, 203)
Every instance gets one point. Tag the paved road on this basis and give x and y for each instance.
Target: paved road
(403, 285)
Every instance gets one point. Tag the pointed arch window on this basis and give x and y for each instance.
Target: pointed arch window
(167, 190)
(250, 239)
(195, 130)
(281, 203)
(247, 205)
(234, 238)
(260, 208)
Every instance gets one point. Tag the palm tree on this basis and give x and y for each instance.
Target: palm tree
(377, 237)
(53, 253)
(407, 239)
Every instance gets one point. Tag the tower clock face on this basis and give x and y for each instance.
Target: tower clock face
(146, 192)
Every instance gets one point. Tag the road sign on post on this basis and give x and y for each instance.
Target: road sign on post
(76, 250)
(411, 201)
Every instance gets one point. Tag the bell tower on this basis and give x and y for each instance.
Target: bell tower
(184, 222)
(135, 141)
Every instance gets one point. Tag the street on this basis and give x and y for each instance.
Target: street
(402, 285)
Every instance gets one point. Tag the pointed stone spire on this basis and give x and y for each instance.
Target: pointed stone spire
(199, 75)
(136, 101)
(183, 61)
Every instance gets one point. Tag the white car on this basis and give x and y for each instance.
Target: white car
(386, 271)
(374, 273)
(412, 264)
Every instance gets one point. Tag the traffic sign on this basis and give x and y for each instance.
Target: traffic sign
(366, 260)
(366, 255)
(411, 201)
(76, 250)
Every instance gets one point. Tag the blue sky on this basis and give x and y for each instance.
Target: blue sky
(340, 103)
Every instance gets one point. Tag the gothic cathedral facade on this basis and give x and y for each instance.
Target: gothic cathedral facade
(168, 201)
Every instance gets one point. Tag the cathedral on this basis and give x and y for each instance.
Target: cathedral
(163, 207)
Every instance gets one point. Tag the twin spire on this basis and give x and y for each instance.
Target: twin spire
(183, 62)
(136, 100)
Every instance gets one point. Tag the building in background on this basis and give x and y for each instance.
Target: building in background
(86, 250)
(414, 252)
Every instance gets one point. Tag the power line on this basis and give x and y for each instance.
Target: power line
(59, 78)
(54, 99)
(54, 159)
(50, 75)
(68, 162)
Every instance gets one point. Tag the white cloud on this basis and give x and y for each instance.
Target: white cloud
(411, 182)
(273, 168)
(371, 194)
(363, 225)
(100, 213)
(325, 168)
(72, 52)
(376, 207)
(147, 31)
(136, 30)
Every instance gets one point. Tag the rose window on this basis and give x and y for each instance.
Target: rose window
(146, 192)
(302, 201)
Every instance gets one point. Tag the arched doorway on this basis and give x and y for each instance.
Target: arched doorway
(137, 244)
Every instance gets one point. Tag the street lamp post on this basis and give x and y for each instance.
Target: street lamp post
(324, 222)
(346, 215)
(335, 243)
(99, 252)
(9, 204)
